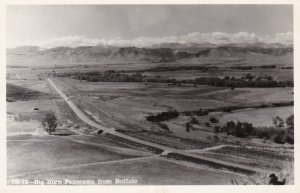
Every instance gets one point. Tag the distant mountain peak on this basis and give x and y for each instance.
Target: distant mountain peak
(166, 52)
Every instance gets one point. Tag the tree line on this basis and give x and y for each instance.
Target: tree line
(202, 68)
(282, 131)
(113, 76)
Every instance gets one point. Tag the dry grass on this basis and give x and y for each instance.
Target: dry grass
(286, 172)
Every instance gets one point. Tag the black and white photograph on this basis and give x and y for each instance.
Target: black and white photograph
(149, 94)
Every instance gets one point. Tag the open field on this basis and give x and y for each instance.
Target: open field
(137, 100)
(123, 107)
(46, 152)
(185, 94)
(259, 117)
(144, 170)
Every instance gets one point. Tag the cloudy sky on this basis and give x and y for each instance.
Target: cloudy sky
(144, 25)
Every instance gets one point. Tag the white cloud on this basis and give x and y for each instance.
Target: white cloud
(286, 38)
(195, 37)
(69, 41)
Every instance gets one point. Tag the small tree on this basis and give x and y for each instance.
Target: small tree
(187, 127)
(290, 129)
(290, 122)
(249, 76)
(279, 138)
(49, 122)
(278, 122)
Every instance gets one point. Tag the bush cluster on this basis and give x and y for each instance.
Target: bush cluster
(279, 133)
(163, 116)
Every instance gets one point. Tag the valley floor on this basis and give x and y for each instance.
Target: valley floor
(77, 152)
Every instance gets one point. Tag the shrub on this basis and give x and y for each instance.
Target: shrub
(264, 132)
(289, 139)
(187, 127)
(286, 171)
(217, 129)
(244, 129)
(279, 138)
(290, 122)
(194, 121)
(201, 112)
(163, 116)
(207, 124)
(214, 120)
(239, 129)
(164, 126)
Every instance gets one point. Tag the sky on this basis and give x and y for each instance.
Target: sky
(145, 25)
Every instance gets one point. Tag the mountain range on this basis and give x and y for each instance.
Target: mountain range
(166, 52)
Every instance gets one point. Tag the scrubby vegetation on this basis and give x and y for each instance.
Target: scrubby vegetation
(213, 120)
(241, 82)
(179, 68)
(238, 129)
(252, 67)
(280, 133)
(204, 112)
(163, 116)
(286, 173)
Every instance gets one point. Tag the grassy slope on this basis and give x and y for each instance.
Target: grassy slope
(146, 171)
(40, 153)
(14, 92)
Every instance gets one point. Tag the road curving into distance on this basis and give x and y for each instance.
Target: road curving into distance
(166, 150)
